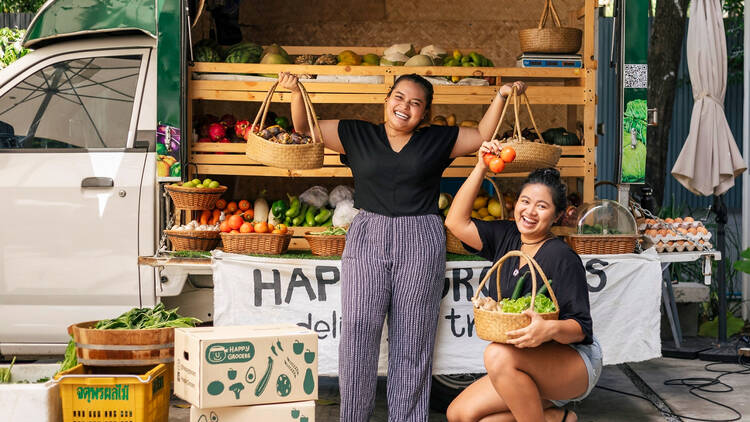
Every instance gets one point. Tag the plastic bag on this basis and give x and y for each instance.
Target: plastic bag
(344, 213)
(340, 193)
(316, 196)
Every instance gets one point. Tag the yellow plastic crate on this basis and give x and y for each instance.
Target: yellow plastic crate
(115, 394)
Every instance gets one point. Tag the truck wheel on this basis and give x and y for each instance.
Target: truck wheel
(445, 388)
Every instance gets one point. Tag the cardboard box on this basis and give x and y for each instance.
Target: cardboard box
(38, 402)
(280, 412)
(245, 365)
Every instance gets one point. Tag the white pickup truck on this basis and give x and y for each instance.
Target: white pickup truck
(80, 194)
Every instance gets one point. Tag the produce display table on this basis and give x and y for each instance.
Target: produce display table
(624, 291)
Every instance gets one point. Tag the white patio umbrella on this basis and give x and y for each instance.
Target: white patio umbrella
(709, 160)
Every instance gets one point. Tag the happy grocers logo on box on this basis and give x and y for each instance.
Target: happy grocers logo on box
(241, 351)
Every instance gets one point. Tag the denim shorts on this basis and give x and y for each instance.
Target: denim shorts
(592, 357)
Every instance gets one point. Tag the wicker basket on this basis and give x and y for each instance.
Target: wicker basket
(493, 325)
(256, 243)
(452, 244)
(194, 198)
(594, 244)
(556, 39)
(530, 155)
(326, 245)
(193, 240)
(286, 156)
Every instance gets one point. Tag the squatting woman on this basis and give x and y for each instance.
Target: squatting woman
(547, 363)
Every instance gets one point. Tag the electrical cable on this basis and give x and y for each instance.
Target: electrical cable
(702, 384)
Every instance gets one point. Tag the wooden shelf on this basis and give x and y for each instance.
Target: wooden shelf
(573, 88)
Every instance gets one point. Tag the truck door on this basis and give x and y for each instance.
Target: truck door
(70, 182)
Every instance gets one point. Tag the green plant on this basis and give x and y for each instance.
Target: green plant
(21, 6)
(10, 46)
(734, 27)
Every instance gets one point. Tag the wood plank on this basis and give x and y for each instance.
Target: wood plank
(504, 72)
(242, 159)
(239, 148)
(312, 87)
(293, 50)
(563, 162)
(464, 172)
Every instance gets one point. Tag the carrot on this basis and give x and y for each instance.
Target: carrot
(205, 215)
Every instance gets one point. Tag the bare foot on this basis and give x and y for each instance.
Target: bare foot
(555, 414)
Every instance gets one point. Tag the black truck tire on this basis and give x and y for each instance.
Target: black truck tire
(445, 388)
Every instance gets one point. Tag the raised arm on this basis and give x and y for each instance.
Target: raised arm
(328, 128)
(458, 220)
(470, 138)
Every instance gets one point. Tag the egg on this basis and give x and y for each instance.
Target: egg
(652, 232)
(688, 219)
(662, 232)
(670, 243)
(678, 220)
(702, 230)
(660, 244)
(671, 233)
(668, 220)
(680, 242)
(693, 230)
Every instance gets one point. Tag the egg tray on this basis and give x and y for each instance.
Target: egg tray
(684, 246)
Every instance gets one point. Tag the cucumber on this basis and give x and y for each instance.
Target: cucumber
(519, 286)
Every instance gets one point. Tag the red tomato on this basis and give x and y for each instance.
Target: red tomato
(488, 157)
(235, 222)
(497, 165)
(508, 154)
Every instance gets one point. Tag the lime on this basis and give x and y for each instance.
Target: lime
(213, 185)
(196, 181)
(206, 182)
(188, 184)
(200, 186)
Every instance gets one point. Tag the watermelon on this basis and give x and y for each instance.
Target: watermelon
(206, 54)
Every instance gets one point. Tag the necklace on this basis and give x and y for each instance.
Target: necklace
(548, 236)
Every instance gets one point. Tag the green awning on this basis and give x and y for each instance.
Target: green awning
(69, 18)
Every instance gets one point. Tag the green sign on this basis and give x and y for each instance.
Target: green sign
(237, 352)
(635, 92)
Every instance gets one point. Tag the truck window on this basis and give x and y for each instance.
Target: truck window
(83, 103)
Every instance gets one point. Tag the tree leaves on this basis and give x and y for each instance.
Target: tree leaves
(10, 46)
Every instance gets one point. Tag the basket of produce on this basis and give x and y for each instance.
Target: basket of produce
(275, 147)
(194, 236)
(330, 242)
(194, 194)
(556, 39)
(490, 210)
(261, 242)
(604, 227)
(530, 154)
(141, 336)
(494, 319)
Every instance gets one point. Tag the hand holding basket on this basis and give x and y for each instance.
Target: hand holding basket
(286, 156)
(530, 155)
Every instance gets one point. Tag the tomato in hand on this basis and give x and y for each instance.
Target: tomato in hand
(497, 165)
(488, 158)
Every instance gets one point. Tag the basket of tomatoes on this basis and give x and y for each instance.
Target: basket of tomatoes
(527, 155)
(238, 235)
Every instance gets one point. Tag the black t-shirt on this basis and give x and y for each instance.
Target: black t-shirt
(396, 184)
(561, 265)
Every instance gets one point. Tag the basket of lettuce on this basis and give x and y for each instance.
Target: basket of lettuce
(494, 319)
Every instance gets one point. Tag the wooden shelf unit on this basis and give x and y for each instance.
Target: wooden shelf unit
(572, 88)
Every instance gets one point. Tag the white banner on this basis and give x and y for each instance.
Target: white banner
(624, 291)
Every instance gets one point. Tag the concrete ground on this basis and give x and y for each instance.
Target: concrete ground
(642, 379)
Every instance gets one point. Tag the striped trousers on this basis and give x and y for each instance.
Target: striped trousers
(392, 266)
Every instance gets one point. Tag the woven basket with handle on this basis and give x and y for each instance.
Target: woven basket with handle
(493, 325)
(530, 155)
(556, 39)
(452, 244)
(286, 156)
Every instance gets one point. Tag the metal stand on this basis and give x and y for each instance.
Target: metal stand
(721, 352)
